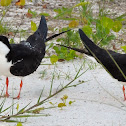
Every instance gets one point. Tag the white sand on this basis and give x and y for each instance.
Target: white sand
(93, 106)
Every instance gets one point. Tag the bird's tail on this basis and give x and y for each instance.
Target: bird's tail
(89, 45)
(76, 49)
(42, 29)
(53, 36)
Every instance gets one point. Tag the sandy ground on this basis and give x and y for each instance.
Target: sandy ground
(98, 101)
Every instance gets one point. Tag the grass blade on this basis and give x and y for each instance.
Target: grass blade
(36, 115)
(23, 108)
(53, 76)
(40, 95)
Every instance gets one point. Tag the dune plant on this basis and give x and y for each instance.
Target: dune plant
(98, 27)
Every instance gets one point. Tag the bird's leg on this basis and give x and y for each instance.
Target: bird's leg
(18, 97)
(7, 83)
(124, 92)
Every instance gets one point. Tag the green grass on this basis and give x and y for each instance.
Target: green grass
(3, 29)
(22, 112)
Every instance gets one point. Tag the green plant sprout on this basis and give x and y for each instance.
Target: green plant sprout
(57, 74)
(64, 102)
(53, 76)
(33, 13)
(92, 65)
(43, 73)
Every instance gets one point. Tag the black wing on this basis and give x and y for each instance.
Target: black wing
(25, 60)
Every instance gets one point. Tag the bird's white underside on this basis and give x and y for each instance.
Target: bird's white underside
(4, 65)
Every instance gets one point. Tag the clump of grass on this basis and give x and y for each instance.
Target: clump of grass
(3, 29)
(22, 113)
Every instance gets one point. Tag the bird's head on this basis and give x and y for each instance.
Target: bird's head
(4, 45)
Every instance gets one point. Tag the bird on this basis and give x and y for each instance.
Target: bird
(113, 62)
(23, 59)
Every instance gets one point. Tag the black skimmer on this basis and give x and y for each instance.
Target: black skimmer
(24, 58)
(113, 62)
